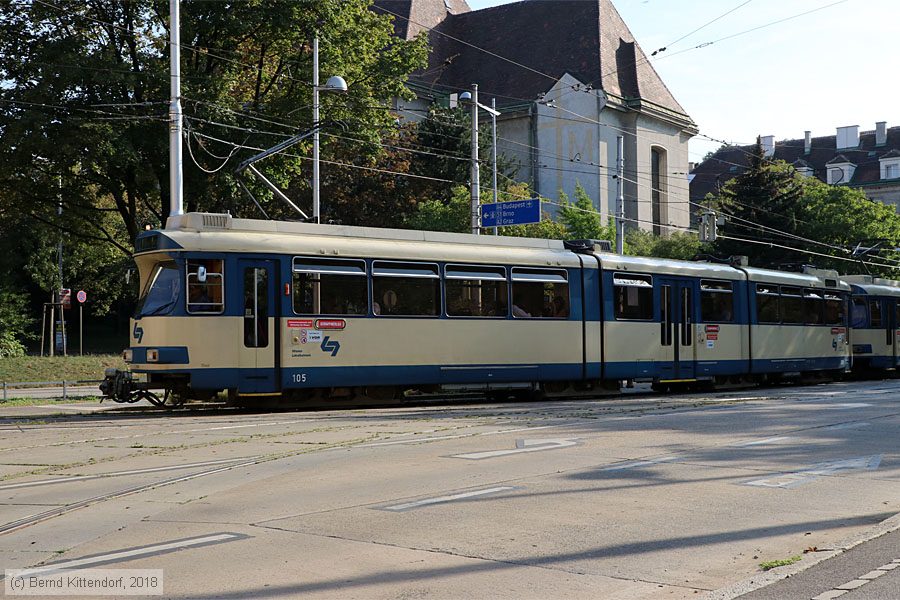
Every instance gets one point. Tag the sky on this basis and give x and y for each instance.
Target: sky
(834, 67)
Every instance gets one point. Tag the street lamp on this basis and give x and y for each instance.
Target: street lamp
(334, 84)
(472, 97)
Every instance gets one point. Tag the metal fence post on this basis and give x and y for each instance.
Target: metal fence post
(64, 390)
(4, 391)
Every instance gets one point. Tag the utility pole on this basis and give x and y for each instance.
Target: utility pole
(620, 196)
(476, 191)
(176, 185)
(315, 106)
(494, 114)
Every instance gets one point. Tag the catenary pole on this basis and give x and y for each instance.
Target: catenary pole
(476, 192)
(176, 186)
(620, 195)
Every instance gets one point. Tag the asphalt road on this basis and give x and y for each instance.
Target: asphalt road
(637, 497)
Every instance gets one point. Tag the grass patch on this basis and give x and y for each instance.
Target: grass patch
(766, 566)
(48, 401)
(57, 368)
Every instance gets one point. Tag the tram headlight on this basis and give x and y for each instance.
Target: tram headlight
(127, 355)
(152, 355)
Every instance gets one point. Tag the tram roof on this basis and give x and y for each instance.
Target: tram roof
(224, 233)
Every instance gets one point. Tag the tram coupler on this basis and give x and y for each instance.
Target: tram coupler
(120, 386)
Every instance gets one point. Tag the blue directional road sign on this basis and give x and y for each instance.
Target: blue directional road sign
(519, 212)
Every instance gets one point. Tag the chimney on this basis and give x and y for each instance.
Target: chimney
(807, 142)
(848, 137)
(881, 133)
(768, 145)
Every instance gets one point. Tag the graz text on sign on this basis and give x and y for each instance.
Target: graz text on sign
(519, 212)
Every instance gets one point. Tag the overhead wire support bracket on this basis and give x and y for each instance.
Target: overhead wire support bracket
(248, 165)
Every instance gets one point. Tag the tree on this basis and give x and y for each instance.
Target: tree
(784, 218)
(677, 245)
(90, 99)
(844, 217)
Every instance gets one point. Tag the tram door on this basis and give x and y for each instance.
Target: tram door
(257, 353)
(677, 328)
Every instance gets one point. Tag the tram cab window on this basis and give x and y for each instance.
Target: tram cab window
(875, 311)
(716, 301)
(540, 293)
(325, 286)
(406, 289)
(813, 307)
(475, 291)
(767, 303)
(633, 297)
(792, 305)
(835, 309)
(205, 285)
(858, 314)
(161, 292)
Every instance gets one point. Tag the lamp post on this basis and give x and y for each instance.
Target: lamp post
(472, 97)
(334, 84)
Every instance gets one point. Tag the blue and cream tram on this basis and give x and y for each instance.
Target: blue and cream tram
(265, 308)
(875, 321)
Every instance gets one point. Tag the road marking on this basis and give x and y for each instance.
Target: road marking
(642, 463)
(457, 436)
(846, 405)
(840, 426)
(857, 583)
(12, 486)
(791, 480)
(206, 540)
(770, 440)
(443, 499)
(522, 446)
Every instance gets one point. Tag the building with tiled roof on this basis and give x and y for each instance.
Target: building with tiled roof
(568, 78)
(868, 160)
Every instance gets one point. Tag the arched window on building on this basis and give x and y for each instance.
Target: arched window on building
(658, 182)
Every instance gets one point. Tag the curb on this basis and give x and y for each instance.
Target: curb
(761, 580)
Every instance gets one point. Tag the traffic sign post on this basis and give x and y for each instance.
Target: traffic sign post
(519, 212)
(81, 296)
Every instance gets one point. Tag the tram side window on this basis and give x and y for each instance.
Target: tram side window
(540, 293)
(875, 311)
(835, 309)
(792, 306)
(206, 286)
(633, 297)
(767, 303)
(812, 307)
(330, 287)
(475, 291)
(858, 314)
(406, 289)
(716, 301)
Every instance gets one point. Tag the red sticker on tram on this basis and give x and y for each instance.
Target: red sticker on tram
(299, 323)
(713, 336)
(330, 323)
(837, 330)
(712, 329)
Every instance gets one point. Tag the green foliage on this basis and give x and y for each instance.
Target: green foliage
(436, 215)
(780, 209)
(91, 100)
(844, 216)
(14, 323)
(769, 565)
(677, 245)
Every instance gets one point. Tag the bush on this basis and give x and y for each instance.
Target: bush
(10, 347)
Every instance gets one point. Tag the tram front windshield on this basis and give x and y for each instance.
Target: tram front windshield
(161, 293)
